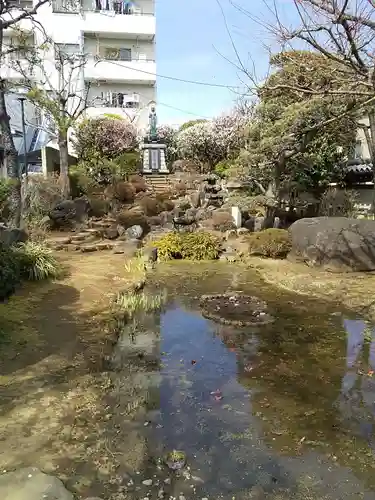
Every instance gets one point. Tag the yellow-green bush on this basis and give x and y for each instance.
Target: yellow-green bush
(274, 243)
(190, 246)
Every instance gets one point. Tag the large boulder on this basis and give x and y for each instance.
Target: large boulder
(12, 236)
(336, 244)
(32, 484)
(70, 212)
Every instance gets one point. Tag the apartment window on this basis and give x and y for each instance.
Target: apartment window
(66, 6)
(20, 4)
(118, 54)
(120, 100)
(66, 49)
(117, 6)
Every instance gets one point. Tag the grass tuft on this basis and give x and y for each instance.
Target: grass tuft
(37, 261)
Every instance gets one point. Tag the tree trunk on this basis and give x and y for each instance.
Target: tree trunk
(370, 138)
(64, 164)
(11, 158)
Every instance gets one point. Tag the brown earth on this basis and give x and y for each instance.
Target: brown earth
(53, 389)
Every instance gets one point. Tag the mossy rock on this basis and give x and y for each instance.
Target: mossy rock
(235, 309)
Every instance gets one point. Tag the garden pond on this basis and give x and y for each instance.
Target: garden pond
(189, 408)
(283, 411)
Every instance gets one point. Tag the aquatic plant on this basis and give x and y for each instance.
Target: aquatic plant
(175, 459)
(136, 268)
(133, 303)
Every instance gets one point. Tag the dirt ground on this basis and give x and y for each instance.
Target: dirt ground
(52, 384)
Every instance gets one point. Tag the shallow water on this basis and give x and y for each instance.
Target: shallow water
(282, 411)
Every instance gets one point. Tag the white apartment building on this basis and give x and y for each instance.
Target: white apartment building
(116, 38)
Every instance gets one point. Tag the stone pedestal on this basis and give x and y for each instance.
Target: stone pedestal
(237, 217)
(154, 158)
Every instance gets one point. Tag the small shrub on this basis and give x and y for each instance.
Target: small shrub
(180, 188)
(200, 246)
(150, 206)
(36, 261)
(81, 182)
(5, 189)
(128, 218)
(222, 168)
(222, 221)
(124, 192)
(10, 272)
(127, 164)
(42, 195)
(138, 182)
(274, 243)
(190, 246)
(165, 200)
(337, 203)
(98, 207)
(254, 205)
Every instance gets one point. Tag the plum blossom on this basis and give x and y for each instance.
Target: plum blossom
(212, 141)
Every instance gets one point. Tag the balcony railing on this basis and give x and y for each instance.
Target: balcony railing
(66, 6)
(21, 4)
(109, 7)
(112, 7)
(117, 100)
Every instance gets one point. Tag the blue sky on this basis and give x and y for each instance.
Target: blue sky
(190, 33)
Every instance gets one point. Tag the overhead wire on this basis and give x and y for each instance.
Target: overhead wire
(173, 78)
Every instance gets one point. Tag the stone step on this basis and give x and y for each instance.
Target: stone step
(98, 246)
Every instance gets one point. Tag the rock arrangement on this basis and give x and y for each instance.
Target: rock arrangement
(336, 244)
(235, 309)
(101, 234)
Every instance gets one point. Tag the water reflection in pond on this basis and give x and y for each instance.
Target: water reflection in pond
(357, 401)
(285, 412)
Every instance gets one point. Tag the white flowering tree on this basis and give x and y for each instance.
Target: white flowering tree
(168, 135)
(207, 143)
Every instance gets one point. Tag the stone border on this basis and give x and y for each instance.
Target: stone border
(268, 319)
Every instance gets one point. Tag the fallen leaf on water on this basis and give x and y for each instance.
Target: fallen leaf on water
(218, 396)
